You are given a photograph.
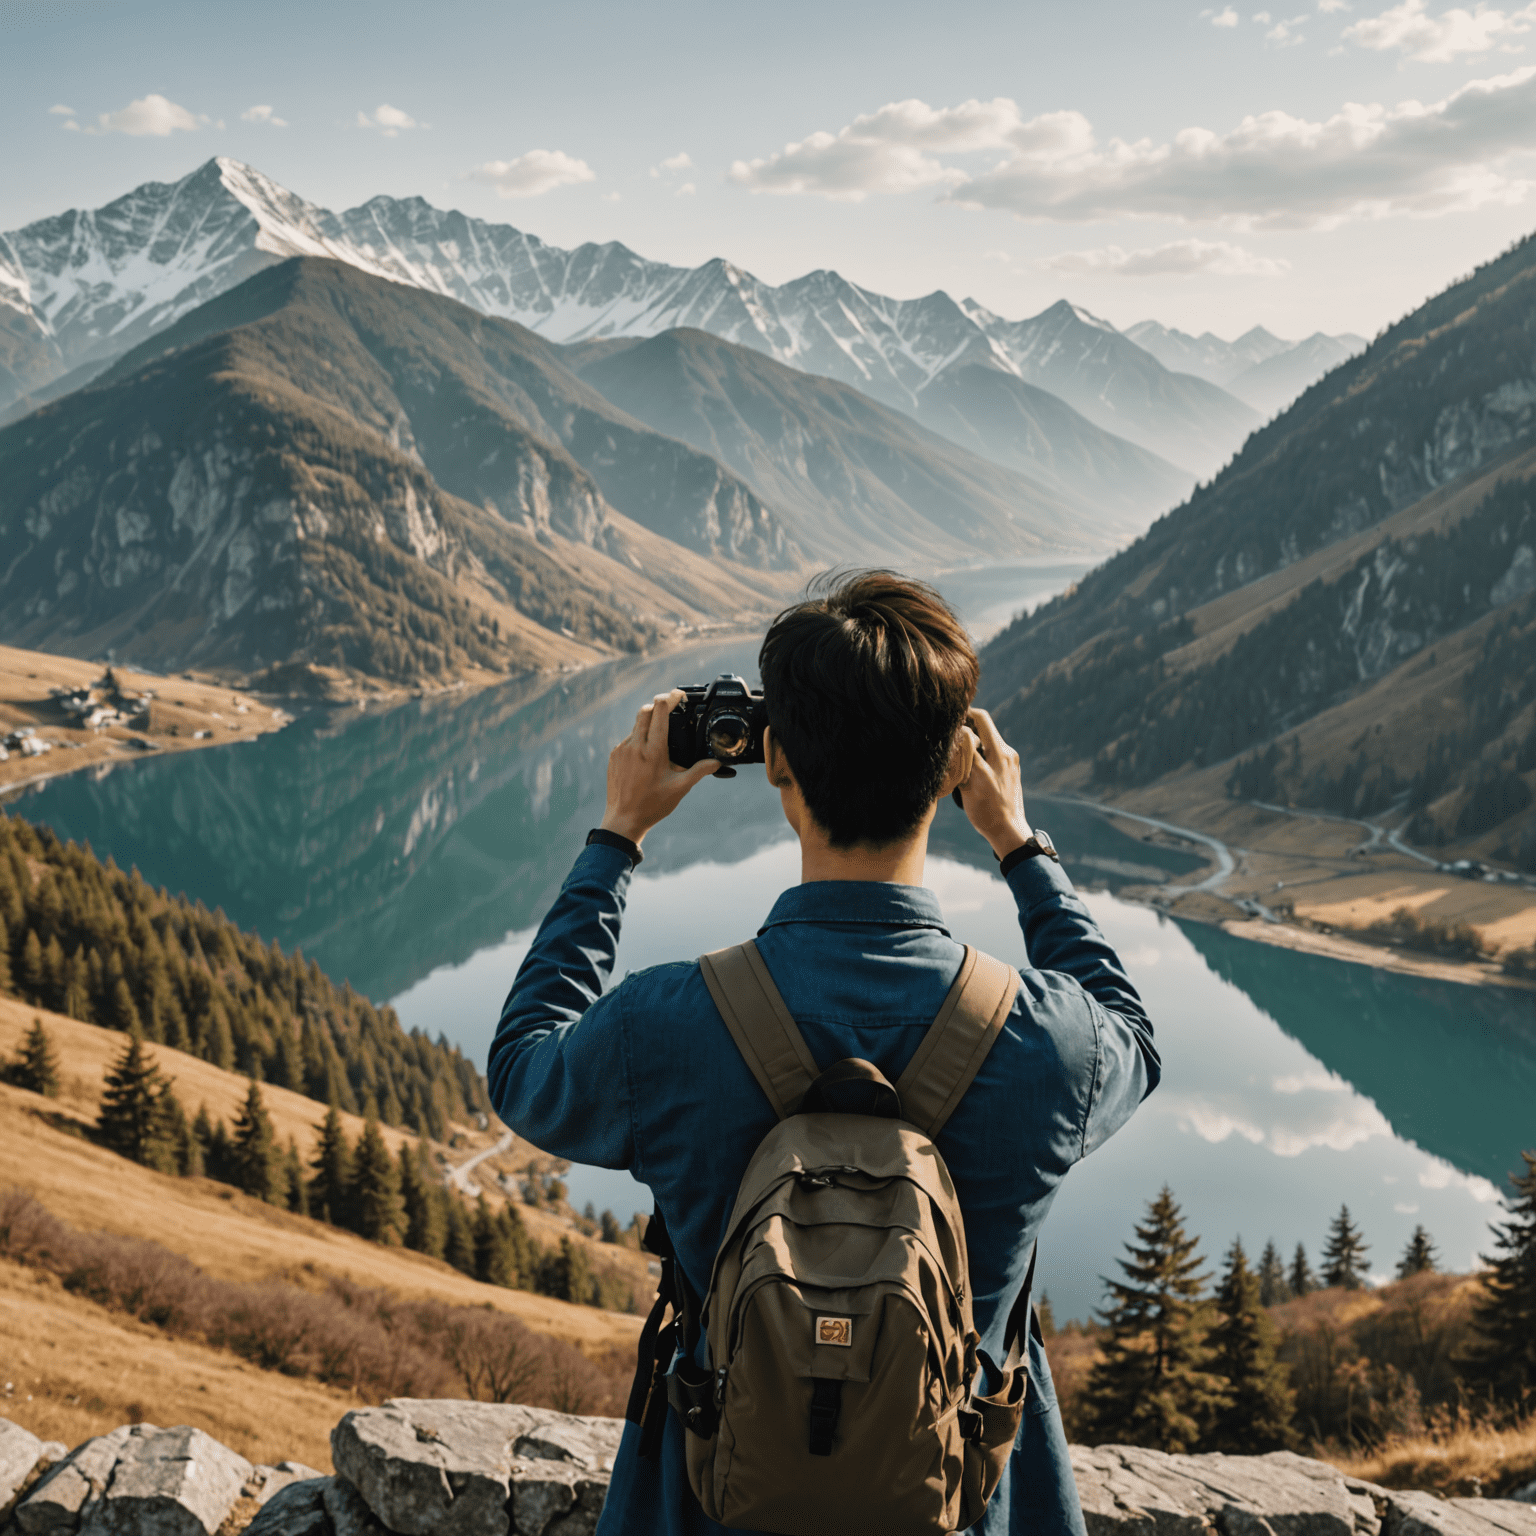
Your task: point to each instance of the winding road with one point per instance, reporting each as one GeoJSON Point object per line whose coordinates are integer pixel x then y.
{"type": "Point", "coordinates": [459, 1177]}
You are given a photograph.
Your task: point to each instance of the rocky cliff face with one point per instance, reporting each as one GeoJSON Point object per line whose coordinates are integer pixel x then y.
{"type": "Point", "coordinates": [420, 1467]}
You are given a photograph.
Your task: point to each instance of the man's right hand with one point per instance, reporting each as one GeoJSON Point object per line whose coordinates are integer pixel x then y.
{"type": "Point", "coordinates": [993, 797]}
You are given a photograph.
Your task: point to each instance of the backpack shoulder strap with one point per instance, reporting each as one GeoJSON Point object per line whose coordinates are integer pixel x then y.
{"type": "Point", "coordinates": [957, 1041]}
{"type": "Point", "coordinates": [765, 1034]}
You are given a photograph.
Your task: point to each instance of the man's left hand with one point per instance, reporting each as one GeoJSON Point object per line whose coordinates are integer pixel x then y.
{"type": "Point", "coordinates": [644, 785]}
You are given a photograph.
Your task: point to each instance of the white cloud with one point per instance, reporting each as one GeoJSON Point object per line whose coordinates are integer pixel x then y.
{"type": "Point", "coordinates": [149, 117]}
{"type": "Point", "coordinates": [1436, 39]}
{"type": "Point", "coordinates": [262, 115]}
{"type": "Point", "coordinates": [678, 162]}
{"type": "Point", "coordinates": [1283, 33]}
{"type": "Point", "coordinates": [60, 110]}
{"type": "Point", "coordinates": [1272, 171]}
{"type": "Point", "coordinates": [1226, 18]}
{"type": "Point", "coordinates": [1328, 7]}
{"type": "Point", "coordinates": [1262, 18]}
{"type": "Point", "coordinates": [1406, 1208]}
{"type": "Point", "coordinates": [530, 175]}
{"type": "Point", "coordinates": [1179, 258]}
{"type": "Point", "coordinates": [686, 190]}
{"type": "Point", "coordinates": [1316, 1079]}
{"type": "Point", "coordinates": [896, 149]}
{"type": "Point", "coordinates": [390, 121]}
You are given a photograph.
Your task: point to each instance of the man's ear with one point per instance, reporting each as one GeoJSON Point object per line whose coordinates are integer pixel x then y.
{"type": "Point", "coordinates": [775, 762]}
{"type": "Point", "coordinates": [962, 757]}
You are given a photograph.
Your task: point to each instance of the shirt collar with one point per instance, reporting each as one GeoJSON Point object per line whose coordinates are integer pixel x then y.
{"type": "Point", "coordinates": [858, 901]}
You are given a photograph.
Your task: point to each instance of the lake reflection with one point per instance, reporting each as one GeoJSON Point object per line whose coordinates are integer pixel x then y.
{"type": "Point", "coordinates": [415, 850]}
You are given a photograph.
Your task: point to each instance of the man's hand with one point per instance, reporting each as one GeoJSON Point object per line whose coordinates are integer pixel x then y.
{"type": "Point", "coordinates": [993, 796]}
{"type": "Point", "coordinates": [644, 787]}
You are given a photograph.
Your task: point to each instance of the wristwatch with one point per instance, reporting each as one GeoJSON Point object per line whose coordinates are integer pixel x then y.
{"type": "Point", "coordinates": [1038, 846]}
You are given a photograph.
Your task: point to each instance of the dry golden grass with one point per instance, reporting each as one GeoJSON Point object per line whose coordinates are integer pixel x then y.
{"type": "Point", "coordinates": [1456, 1462]}
{"type": "Point", "coordinates": [72, 1369]}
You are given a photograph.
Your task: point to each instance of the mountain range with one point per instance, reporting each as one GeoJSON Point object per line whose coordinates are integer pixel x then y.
{"type": "Point", "coordinates": [1258, 368]}
{"type": "Point", "coordinates": [80, 288]}
{"type": "Point", "coordinates": [327, 467]}
{"type": "Point", "coordinates": [1345, 617]}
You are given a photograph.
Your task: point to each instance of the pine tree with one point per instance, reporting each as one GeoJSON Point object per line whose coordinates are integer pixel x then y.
{"type": "Point", "coordinates": [1418, 1257]}
{"type": "Point", "coordinates": [129, 1119]}
{"type": "Point", "coordinates": [1274, 1288]}
{"type": "Point", "coordinates": [460, 1249]}
{"type": "Point", "coordinates": [1344, 1253]}
{"type": "Point", "coordinates": [374, 1194]}
{"type": "Point", "coordinates": [332, 1164]}
{"type": "Point", "coordinates": [493, 1263]}
{"type": "Point", "coordinates": [295, 1186]}
{"type": "Point", "coordinates": [1259, 1404]}
{"type": "Point", "coordinates": [37, 1064]}
{"type": "Point", "coordinates": [257, 1163]}
{"type": "Point", "coordinates": [5, 941]}
{"type": "Point", "coordinates": [610, 1225]}
{"type": "Point", "coordinates": [1302, 1281]}
{"type": "Point", "coordinates": [1150, 1386]}
{"type": "Point", "coordinates": [566, 1273]}
{"type": "Point", "coordinates": [1504, 1357]}
{"type": "Point", "coordinates": [30, 971]}
{"type": "Point", "coordinates": [426, 1217]}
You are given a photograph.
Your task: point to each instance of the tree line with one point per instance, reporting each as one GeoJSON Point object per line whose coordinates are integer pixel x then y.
{"type": "Point", "coordinates": [1180, 1370]}
{"type": "Point", "coordinates": [80, 937]}
{"type": "Point", "coordinates": [360, 1185]}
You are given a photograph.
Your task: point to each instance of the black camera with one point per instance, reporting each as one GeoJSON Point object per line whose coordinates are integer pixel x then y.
{"type": "Point", "coordinates": [723, 720]}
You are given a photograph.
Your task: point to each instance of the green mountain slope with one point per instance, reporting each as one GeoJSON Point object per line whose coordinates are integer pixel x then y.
{"type": "Point", "coordinates": [323, 466]}
{"type": "Point", "coordinates": [855, 479]}
{"type": "Point", "coordinates": [1380, 531]}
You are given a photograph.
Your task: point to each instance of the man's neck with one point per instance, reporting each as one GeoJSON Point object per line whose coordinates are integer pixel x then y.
{"type": "Point", "coordinates": [898, 863]}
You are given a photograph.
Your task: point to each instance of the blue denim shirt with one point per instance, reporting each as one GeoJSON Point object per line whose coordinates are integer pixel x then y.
{"type": "Point", "coordinates": [646, 1077]}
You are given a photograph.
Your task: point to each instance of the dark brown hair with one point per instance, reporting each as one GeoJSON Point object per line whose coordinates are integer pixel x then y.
{"type": "Point", "coordinates": [866, 685]}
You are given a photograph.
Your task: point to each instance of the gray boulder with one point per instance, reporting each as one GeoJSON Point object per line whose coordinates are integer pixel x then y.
{"type": "Point", "coordinates": [172, 1482]}
{"type": "Point", "coordinates": [1525, 1495]}
{"type": "Point", "coordinates": [429, 1467]}
{"type": "Point", "coordinates": [57, 1505]}
{"type": "Point", "coordinates": [1126, 1490]}
{"type": "Point", "coordinates": [295, 1510]}
{"type": "Point", "coordinates": [20, 1452]}
{"type": "Point", "coordinates": [348, 1514]}
{"type": "Point", "coordinates": [1426, 1514]}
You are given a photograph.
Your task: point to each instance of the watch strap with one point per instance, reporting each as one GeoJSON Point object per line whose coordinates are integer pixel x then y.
{"type": "Point", "coordinates": [606, 839]}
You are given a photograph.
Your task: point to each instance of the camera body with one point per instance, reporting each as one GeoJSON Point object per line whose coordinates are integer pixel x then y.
{"type": "Point", "coordinates": [723, 720]}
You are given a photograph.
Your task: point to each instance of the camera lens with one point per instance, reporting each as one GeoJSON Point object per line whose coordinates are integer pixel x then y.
{"type": "Point", "coordinates": [727, 735]}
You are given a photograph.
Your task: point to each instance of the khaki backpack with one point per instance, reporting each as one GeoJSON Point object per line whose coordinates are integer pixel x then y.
{"type": "Point", "coordinates": [841, 1394]}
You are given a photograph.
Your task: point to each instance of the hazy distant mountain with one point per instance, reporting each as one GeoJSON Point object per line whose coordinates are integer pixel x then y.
{"type": "Point", "coordinates": [325, 467]}
{"type": "Point", "coordinates": [851, 477]}
{"type": "Point", "coordinates": [1121, 387]}
{"type": "Point", "coordinates": [1349, 609]}
{"type": "Point", "coordinates": [96, 282]}
{"type": "Point", "coordinates": [1029, 429]}
{"type": "Point", "coordinates": [1259, 368]}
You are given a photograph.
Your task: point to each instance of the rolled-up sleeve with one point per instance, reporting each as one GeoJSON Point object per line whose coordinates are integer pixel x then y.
{"type": "Point", "coordinates": [1089, 985]}
{"type": "Point", "coordinates": [557, 1068]}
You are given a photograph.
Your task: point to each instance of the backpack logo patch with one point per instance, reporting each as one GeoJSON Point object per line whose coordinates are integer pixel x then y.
{"type": "Point", "coordinates": [835, 1330]}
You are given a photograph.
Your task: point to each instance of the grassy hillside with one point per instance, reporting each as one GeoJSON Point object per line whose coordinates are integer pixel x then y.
{"type": "Point", "coordinates": [86, 1356]}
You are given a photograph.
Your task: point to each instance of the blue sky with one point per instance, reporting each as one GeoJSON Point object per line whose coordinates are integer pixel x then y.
{"type": "Point", "coordinates": [1321, 166]}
